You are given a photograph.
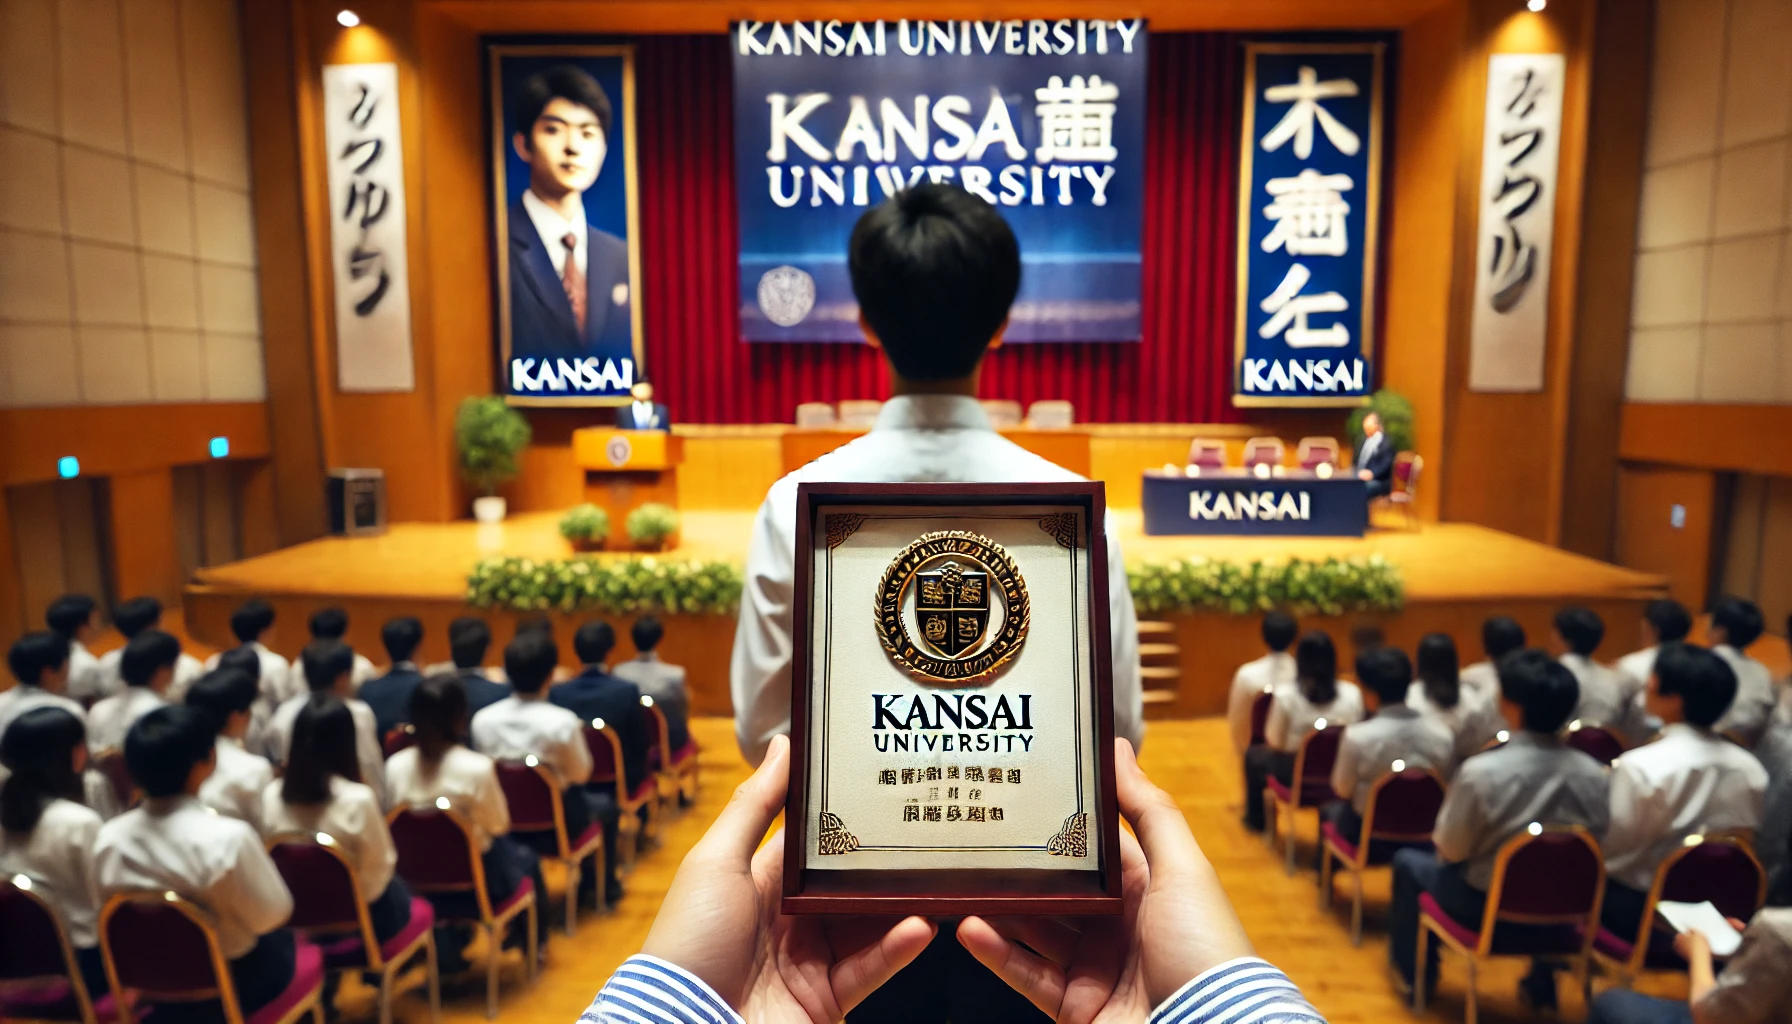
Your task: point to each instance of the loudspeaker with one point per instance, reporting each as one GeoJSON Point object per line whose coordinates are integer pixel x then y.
{"type": "Point", "coordinates": [357, 499]}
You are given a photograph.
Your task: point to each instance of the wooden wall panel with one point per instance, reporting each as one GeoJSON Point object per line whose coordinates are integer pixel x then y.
{"type": "Point", "coordinates": [12, 595]}
{"type": "Point", "coordinates": [36, 537]}
{"type": "Point", "coordinates": [145, 559]}
{"type": "Point", "coordinates": [125, 438]}
{"type": "Point", "coordinates": [1646, 537]}
{"type": "Point", "coordinates": [1744, 438]}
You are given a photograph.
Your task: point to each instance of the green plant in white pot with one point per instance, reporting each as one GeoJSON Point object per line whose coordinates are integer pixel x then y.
{"type": "Point", "coordinates": [651, 526]}
{"type": "Point", "coordinates": [488, 437]}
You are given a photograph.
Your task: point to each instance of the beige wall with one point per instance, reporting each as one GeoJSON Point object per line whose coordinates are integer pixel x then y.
{"type": "Point", "coordinates": [127, 255]}
{"type": "Point", "coordinates": [1711, 313]}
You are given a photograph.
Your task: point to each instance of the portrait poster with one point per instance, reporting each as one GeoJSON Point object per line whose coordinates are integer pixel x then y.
{"type": "Point", "coordinates": [566, 231]}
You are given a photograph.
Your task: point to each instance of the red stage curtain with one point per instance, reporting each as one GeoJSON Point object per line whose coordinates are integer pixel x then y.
{"type": "Point", "coordinates": [1179, 372]}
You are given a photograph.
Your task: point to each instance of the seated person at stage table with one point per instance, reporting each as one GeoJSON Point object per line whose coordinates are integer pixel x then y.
{"type": "Point", "coordinates": [1374, 460]}
{"type": "Point", "coordinates": [1396, 733]}
{"type": "Point", "coordinates": [1688, 782]}
{"type": "Point", "coordinates": [1735, 624]}
{"type": "Point", "coordinates": [75, 618]}
{"type": "Point", "coordinates": [332, 624]}
{"type": "Point", "coordinates": [657, 679]}
{"type": "Point", "coordinates": [39, 663]}
{"type": "Point", "coordinates": [250, 623]}
{"type": "Point", "coordinates": [1260, 676]}
{"type": "Point", "coordinates": [132, 618]}
{"type": "Point", "coordinates": [235, 785]}
{"type": "Point", "coordinates": [1535, 777]}
{"type": "Point", "coordinates": [322, 792]}
{"type": "Point", "coordinates": [147, 666]}
{"type": "Point", "coordinates": [1500, 636]}
{"type": "Point", "coordinates": [596, 694]}
{"type": "Point", "coordinates": [1608, 698]}
{"type": "Point", "coordinates": [328, 666]}
{"type": "Point", "coordinates": [174, 843]}
{"type": "Point", "coordinates": [1473, 720]}
{"type": "Point", "coordinates": [47, 832]}
{"type": "Point", "coordinates": [642, 412]}
{"type": "Point", "coordinates": [469, 639]}
{"type": "Point", "coordinates": [1316, 695]}
{"type": "Point", "coordinates": [390, 695]}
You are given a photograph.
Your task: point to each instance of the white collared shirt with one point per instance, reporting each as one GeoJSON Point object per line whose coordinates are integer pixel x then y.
{"type": "Point", "coordinates": [177, 844]}
{"type": "Point", "coordinates": [513, 728]}
{"type": "Point", "coordinates": [57, 856]}
{"type": "Point", "coordinates": [917, 438]}
{"type": "Point", "coordinates": [1639, 665]}
{"type": "Point", "coordinates": [1608, 698]}
{"type": "Point", "coordinates": [1482, 680]}
{"type": "Point", "coordinates": [553, 228]}
{"type": "Point", "coordinates": [1371, 445]}
{"type": "Point", "coordinates": [187, 670]}
{"type": "Point", "coordinates": [1497, 794]}
{"type": "Point", "coordinates": [660, 680]}
{"type": "Point", "coordinates": [83, 673]}
{"type": "Point", "coordinates": [1369, 749]}
{"type": "Point", "coordinates": [466, 778]}
{"type": "Point", "coordinates": [277, 682]}
{"type": "Point", "coordinates": [24, 697]}
{"type": "Point", "coordinates": [1292, 715]}
{"type": "Point", "coordinates": [351, 816]}
{"type": "Point", "coordinates": [236, 782]}
{"type": "Point", "coordinates": [1472, 722]}
{"type": "Point", "coordinates": [1755, 699]}
{"type": "Point", "coordinates": [1689, 781]}
{"type": "Point", "coordinates": [643, 412]}
{"type": "Point", "coordinates": [111, 719]}
{"type": "Point", "coordinates": [368, 752]}
{"type": "Point", "coordinates": [1255, 677]}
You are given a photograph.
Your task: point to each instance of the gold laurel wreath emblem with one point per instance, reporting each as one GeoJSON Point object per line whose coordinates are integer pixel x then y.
{"type": "Point", "coordinates": [921, 657]}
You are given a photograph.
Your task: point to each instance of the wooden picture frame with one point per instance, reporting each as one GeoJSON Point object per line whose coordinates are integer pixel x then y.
{"type": "Point", "coordinates": [958, 890]}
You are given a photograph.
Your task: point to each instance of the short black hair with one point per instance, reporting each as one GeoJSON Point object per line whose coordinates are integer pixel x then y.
{"type": "Point", "coordinates": [1668, 618]}
{"type": "Point", "coordinates": [1500, 636]}
{"type": "Point", "coordinates": [326, 661]}
{"type": "Point", "coordinates": [1582, 628]}
{"type": "Point", "coordinates": [148, 652]}
{"type": "Point", "coordinates": [251, 619]}
{"type": "Point", "coordinates": [1279, 630]}
{"type": "Point", "coordinates": [1704, 682]}
{"type": "Point", "coordinates": [438, 710]}
{"type": "Point", "coordinates": [533, 624]}
{"type": "Point", "coordinates": [1387, 672]}
{"type": "Point", "coordinates": [164, 745]}
{"type": "Point", "coordinates": [593, 641]}
{"type": "Point", "coordinates": [562, 81]}
{"type": "Point", "coordinates": [242, 659]}
{"type": "Point", "coordinates": [36, 653]}
{"type": "Point", "coordinates": [328, 623]}
{"type": "Point", "coordinates": [401, 637]}
{"type": "Point", "coordinates": [935, 270]}
{"type": "Point", "coordinates": [468, 640]}
{"type": "Point", "coordinates": [647, 632]}
{"type": "Point", "coordinates": [1540, 685]}
{"type": "Point", "coordinates": [1740, 619]}
{"type": "Point", "coordinates": [221, 693]}
{"type": "Point", "coordinates": [136, 615]}
{"type": "Point", "coordinates": [68, 613]}
{"type": "Point", "coordinates": [529, 660]}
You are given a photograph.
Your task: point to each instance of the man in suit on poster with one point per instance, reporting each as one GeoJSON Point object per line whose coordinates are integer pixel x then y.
{"type": "Point", "coordinates": [1375, 458]}
{"type": "Point", "coordinates": [569, 281]}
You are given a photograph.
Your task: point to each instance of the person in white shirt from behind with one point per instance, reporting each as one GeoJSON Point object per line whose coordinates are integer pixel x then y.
{"type": "Point", "coordinates": [658, 679]}
{"type": "Point", "coordinates": [1688, 782]}
{"type": "Point", "coordinates": [74, 618]}
{"type": "Point", "coordinates": [1500, 636]}
{"type": "Point", "coordinates": [251, 623]}
{"type": "Point", "coordinates": [148, 669]}
{"type": "Point", "coordinates": [1260, 676]}
{"type": "Point", "coordinates": [174, 843]}
{"type": "Point", "coordinates": [1438, 695]}
{"type": "Point", "coordinates": [332, 624]}
{"type": "Point", "coordinates": [1735, 624]}
{"type": "Point", "coordinates": [1395, 738]}
{"type": "Point", "coordinates": [132, 618]}
{"type": "Point", "coordinates": [234, 788]}
{"type": "Point", "coordinates": [321, 794]}
{"type": "Point", "coordinates": [1317, 699]}
{"type": "Point", "coordinates": [1665, 621]}
{"type": "Point", "coordinates": [935, 270]}
{"type": "Point", "coordinates": [40, 665]}
{"type": "Point", "coordinates": [328, 666]}
{"type": "Point", "coordinates": [1608, 698]}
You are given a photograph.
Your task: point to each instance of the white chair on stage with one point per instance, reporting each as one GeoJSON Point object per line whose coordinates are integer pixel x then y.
{"type": "Point", "coordinates": [859, 412]}
{"type": "Point", "coordinates": [1004, 414]}
{"type": "Point", "coordinates": [1050, 414]}
{"type": "Point", "coordinates": [815, 414]}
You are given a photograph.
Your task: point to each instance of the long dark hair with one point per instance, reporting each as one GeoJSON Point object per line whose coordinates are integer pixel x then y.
{"type": "Point", "coordinates": [39, 750]}
{"type": "Point", "coordinates": [1316, 667]}
{"type": "Point", "coordinates": [439, 714]}
{"type": "Point", "coordinates": [1438, 671]}
{"type": "Point", "coordinates": [323, 744]}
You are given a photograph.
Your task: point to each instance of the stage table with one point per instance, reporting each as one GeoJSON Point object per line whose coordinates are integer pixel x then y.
{"type": "Point", "coordinates": [1233, 502]}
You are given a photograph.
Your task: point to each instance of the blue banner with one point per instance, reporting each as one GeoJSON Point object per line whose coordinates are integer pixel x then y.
{"type": "Point", "coordinates": [1043, 119]}
{"type": "Point", "coordinates": [1309, 196]}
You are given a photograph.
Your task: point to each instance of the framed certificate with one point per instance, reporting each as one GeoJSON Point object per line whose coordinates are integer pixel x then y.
{"type": "Point", "coordinates": [952, 719]}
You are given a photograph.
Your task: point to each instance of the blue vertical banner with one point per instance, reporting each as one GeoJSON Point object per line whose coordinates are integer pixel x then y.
{"type": "Point", "coordinates": [1308, 221]}
{"type": "Point", "coordinates": [1045, 120]}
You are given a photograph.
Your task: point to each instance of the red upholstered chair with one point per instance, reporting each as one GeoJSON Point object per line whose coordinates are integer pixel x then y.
{"type": "Point", "coordinates": [1596, 741]}
{"type": "Point", "coordinates": [1401, 812]}
{"type": "Point", "coordinates": [677, 771]}
{"type": "Point", "coordinates": [329, 907]}
{"type": "Point", "coordinates": [1312, 783]}
{"type": "Point", "coordinates": [438, 854]}
{"type": "Point", "coordinates": [1314, 452]}
{"type": "Point", "coordinates": [1268, 451]}
{"type": "Point", "coordinates": [535, 807]}
{"type": "Point", "coordinates": [166, 949]}
{"type": "Point", "coordinates": [40, 979]}
{"type": "Point", "coordinates": [640, 809]}
{"type": "Point", "coordinates": [1548, 877]}
{"type": "Point", "coordinates": [1207, 453]}
{"type": "Point", "coordinates": [1260, 714]}
{"type": "Point", "coordinates": [1720, 867]}
{"type": "Point", "coordinates": [398, 738]}
{"type": "Point", "coordinates": [1407, 467]}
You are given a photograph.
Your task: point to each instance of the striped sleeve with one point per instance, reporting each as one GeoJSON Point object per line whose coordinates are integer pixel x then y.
{"type": "Point", "coordinates": [1236, 992]}
{"type": "Point", "coordinates": [648, 990]}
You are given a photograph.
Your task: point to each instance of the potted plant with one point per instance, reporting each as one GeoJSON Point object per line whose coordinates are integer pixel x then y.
{"type": "Point", "coordinates": [1396, 419]}
{"type": "Point", "coordinates": [488, 435]}
{"type": "Point", "coordinates": [586, 526]}
{"type": "Point", "coordinates": [651, 526]}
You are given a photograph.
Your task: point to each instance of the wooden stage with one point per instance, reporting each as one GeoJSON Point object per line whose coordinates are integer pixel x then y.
{"type": "Point", "coordinates": [1456, 575]}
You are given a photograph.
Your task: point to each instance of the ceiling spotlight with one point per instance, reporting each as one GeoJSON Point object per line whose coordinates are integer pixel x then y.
{"type": "Point", "coordinates": [1535, 5]}
{"type": "Point", "coordinates": [349, 19]}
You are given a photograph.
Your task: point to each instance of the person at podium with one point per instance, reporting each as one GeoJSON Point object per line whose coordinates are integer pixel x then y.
{"type": "Point", "coordinates": [642, 412]}
{"type": "Point", "coordinates": [1374, 460]}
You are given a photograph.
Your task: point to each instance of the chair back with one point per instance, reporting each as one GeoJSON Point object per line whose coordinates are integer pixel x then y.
{"type": "Point", "coordinates": [110, 764]}
{"type": "Point", "coordinates": [33, 943]}
{"type": "Point", "coordinates": [859, 412]}
{"type": "Point", "coordinates": [1546, 874]}
{"type": "Point", "coordinates": [533, 800]}
{"type": "Point", "coordinates": [1314, 452]}
{"type": "Point", "coordinates": [815, 414]}
{"type": "Point", "coordinates": [605, 745]}
{"type": "Point", "coordinates": [1263, 451]}
{"type": "Point", "coordinates": [1407, 467]}
{"type": "Point", "coordinates": [166, 948]}
{"type": "Point", "coordinates": [1003, 413]}
{"type": "Point", "coordinates": [1207, 453]}
{"type": "Point", "coordinates": [1260, 714]}
{"type": "Point", "coordinates": [1313, 765]}
{"type": "Point", "coordinates": [326, 896]}
{"type": "Point", "coordinates": [1721, 868]}
{"type": "Point", "coordinates": [659, 753]}
{"type": "Point", "coordinates": [399, 738]}
{"type": "Point", "coordinates": [1403, 805]}
{"type": "Point", "coordinates": [1051, 414]}
{"type": "Point", "coordinates": [1596, 741]}
{"type": "Point", "coordinates": [437, 853]}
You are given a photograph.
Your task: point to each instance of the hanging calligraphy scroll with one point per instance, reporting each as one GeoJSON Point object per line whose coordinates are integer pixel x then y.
{"type": "Point", "coordinates": [364, 151]}
{"type": "Point", "coordinates": [1515, 223]}
{"type": "Point", "coordinates": [1309, 190]}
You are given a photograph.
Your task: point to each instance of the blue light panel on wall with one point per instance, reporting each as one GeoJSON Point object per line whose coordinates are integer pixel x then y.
{"type": "Point", "coordinates": [68, 467]}
{"type": "Point", "coordinates": [220, 447]}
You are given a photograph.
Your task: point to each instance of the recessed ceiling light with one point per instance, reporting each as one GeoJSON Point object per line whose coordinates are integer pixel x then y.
{"type": "Point", "coordinates": [349, 19]}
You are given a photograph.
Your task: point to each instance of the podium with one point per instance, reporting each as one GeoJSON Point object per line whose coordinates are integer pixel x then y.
{"type": "Point", "coordinates": [625, 469]}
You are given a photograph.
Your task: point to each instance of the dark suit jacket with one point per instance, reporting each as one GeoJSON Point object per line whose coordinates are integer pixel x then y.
{"type": "Point", "coordinates": [1380, 464]}
{"type": "Point", "coordinates": [626, 419]}
{"type": "Point", "coordinates": [390, 698]}
{"type": "Point", "coordinates": [541, 320]}
{"type": "Point", "coordinates": [481, 692]}
{"type": "Point", "coordinates": [596, 694]}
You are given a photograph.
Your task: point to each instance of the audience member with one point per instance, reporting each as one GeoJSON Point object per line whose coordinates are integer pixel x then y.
{"type": "Point", "coordinates": [250, 623]}
{"type": "Point", "coordinates": [234, 788]}
{"type": "Point", "coordinates": [1775, 833]}
{"type": "Point", "coordinates": [1608, 698]}
{"type": "Point", "coordinates": [132, 618]}
{"type": "Point", "coordinates": [329, 668]}
{"type": "Point", "coordinates": [468, 640]}
{"type": "Point", "coordinates": [256, 738]}
{"type": "Point", "coordinates": [595, 694]}
{"type": "Point", "coordinates": [148, 669]}
{"type": "Point", "coordinates": [390, 695]}
{"type": "Point", "coordinates": [1535, 777]}
{"type": "Point", "coordinates": [39, 665]}
{"type": "Point", "coordinates": [1317, 699]}
{"type": "Point", "coordinates": [657, 679]}
{"type": "Point", "coordinates": [1255, 678]}
{"type": "Point", "coordinates": [1500, 636]}
{"type": "Point", "coordinates": [174, 843]}
{"type": "Point", "coordinates": [1395, 735]}
{"type": "Point", "coordinates": [332, 624]}
{"type": "Point", "coordinates": [322, 792]}
{"type": "Point", "coordinates": [1438, 694]}
{"type": "Point", "coordinates": [1735, 624]}
{"type": "Point", "coordinates": [1689, 781]}
{"type": "Point", "coordinates": [1665, 621]}
{"type": "Point", "coordinates": [75, 618]}
{"type": "Point", "coordinates": [47, 833]}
